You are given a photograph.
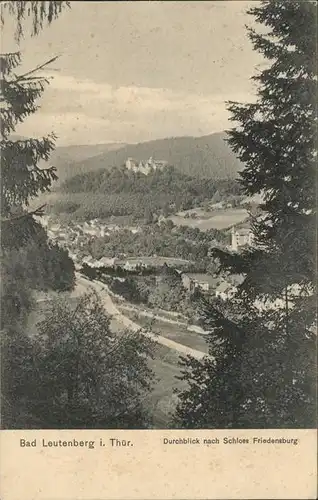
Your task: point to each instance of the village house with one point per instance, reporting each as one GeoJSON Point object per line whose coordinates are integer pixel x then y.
{"type": "Point", "coordinates": [89, 260]}
{"type": "Point", "coordinates": [240, 237]}
{"type": "Point", "coordinates": [134, 230]}
{"type": "Point", "coordinates": [55, 228]}
{"type": "Point", "coordinates": [132, 265]}
{"type": "Point", "coordinates": [225, 290]}
{"type": "Point", "coordinates": [148, 262]}
{"type": "Point", "coordinates": [217, 206]}
{"type": "Point", "coordinates": [112, 227]}
{"type": "Point", "coordinates": [228, 287]}
{"type": "Point", "coordinates": [44, 220]}
{"type": "Point", "coordinates": [255, 199]}
{"type": "Point", "coordinates": [89, 229]}
{"type": "Point", "coordinates": [193, 281]}
{"type": "Point", "coordinates": [94, 222]}
{"type": "Point", "coordinates": [106, 262]}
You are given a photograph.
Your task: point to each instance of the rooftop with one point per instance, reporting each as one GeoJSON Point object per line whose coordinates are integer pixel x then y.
{"type": "Point", "coordinates": [224, 286]}
{"type": "Point", "coordinates": [204, 278]}
{"type": "Point", "coordinates": [236, 279]}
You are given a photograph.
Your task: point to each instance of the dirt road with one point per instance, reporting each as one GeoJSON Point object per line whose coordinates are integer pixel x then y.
{"type": "Point", "coordinates": [112, 310]}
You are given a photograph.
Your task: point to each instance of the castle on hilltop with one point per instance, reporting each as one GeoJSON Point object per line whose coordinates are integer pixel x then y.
{"type": "Point", "coordinates": [145, 167]}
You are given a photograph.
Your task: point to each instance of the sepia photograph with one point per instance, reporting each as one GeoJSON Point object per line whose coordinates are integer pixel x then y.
{"type": "Point", "coordinates": [158, 217]}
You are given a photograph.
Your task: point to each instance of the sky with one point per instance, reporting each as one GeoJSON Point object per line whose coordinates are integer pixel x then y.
{"type": "Point", "coordinates": [137, 71]}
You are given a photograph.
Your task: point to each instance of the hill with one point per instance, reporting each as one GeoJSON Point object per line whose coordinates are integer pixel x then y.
{"type": "Point", "coordinates": [205, 157]}
{"type": "Point", "coordinates": [121, 192]}
{"type": "Point", "coordinates": [68, 159]}
{"type": "Point", "coordinates": [64, 158]}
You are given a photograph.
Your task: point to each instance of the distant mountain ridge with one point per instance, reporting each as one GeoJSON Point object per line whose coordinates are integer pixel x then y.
{"type": "Point", "coordinates": [63, 157]}
{"type": "Point", "coordinates": [205, 157]}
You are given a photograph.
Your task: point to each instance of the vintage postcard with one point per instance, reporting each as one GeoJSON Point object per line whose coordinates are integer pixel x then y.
{"type": "Point", "coordinates": [158, 250]}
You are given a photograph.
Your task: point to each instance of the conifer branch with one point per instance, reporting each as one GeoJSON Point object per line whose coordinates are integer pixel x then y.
{"type": "Point", "coordinates": [37, 68]}
{"type": "Point", "coordinates": [37, 212]}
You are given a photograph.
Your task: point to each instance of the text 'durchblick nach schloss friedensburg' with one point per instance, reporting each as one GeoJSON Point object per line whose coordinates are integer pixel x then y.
{"type": "Point", "coordinates": [115, 442]}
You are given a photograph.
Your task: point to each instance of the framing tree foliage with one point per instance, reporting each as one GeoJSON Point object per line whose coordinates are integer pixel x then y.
{"type": "Point", "coordinates": [28, 260]}
{"type": "Point", "coordinates": [77, 373]}
{"type": "Point", "coordinates": [69, 370]}
{"type": "Point", "coordinates": [21, 176]}
{"type": "Point", "coordinates": [38, 12]}
{"type": "Point", "coordinates": [22, 238]}
{"type": "Point", "coordinates": [261, 373]}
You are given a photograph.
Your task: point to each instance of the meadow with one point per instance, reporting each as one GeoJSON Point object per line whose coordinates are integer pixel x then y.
{"type": "Point", "coordinates": [218, 219]}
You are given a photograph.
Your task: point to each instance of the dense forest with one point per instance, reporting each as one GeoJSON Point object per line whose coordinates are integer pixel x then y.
{"type": "Point", "coordinates": [121, 192]}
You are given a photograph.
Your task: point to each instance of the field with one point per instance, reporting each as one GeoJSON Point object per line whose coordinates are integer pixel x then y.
{"type": "Point", "coordinates": [162, 401]}
{"type": "Point", "coordinates": [178, 333]}
{"type": "Point", "coordinates": [218, 219]}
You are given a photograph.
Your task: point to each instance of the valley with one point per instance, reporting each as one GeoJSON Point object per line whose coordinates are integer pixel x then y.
{"type": "Point", "coordinates": [142, 237]}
